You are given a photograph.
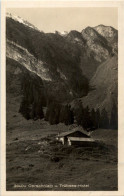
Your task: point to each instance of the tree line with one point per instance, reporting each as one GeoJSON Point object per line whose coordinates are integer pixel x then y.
{"type": "Point", "coordinates": [59, 113]}
{"type": "Point", "coordinates": [34, 99]}
{"type": "Point", "coordinates": [93, 119]}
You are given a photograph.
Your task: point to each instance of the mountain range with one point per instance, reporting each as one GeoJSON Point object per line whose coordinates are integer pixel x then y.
{"type": "Point", "coordinates": [68, 68]}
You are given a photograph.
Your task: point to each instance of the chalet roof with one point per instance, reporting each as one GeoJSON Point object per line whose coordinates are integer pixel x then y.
{"type": "Point", "coordinates": [72, 131]}
{"type": "Point", "coordinates": [80, 139]}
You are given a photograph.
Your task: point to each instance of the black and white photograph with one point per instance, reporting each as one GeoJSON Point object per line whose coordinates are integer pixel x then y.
{"type": "Point", "coordinates": [61, 98]}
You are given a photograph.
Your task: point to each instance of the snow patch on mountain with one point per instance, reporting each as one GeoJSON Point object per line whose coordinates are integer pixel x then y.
{"type": "Point", "coordinates": [62, 33]}
{"type": "Point", "coordinates": [21, 20]}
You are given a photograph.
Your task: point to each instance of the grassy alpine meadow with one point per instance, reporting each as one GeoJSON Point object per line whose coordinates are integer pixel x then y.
{"type": "Point", "coordinates": [36, 161]}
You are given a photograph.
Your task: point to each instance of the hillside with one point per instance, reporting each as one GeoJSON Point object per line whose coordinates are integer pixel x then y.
{"type": "Point", "coordinates": [69, 68]}
{"type": "Point", "coordinates": [104, 86]}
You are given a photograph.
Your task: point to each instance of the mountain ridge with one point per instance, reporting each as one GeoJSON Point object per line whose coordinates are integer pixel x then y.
{"type": "Point", "coordinates": [70, 66]}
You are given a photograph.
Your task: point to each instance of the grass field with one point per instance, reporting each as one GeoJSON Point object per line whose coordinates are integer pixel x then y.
{"type": "Point", "coordinates": [35, 161]}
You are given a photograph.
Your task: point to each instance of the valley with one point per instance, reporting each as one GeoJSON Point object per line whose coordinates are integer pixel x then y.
{"type": "Point", "coordinates": [56, 82]}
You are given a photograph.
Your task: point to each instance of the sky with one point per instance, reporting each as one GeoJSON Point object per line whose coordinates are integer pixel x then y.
{"type": "Point", "coordinates": [66, 19]}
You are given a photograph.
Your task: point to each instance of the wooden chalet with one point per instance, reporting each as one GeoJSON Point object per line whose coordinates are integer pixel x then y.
{"type": "Point", "coordinates": [75, 137]}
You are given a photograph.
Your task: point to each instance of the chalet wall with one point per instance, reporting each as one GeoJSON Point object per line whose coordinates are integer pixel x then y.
{"type": "Point", "coordinates": [83, 143]}
{"type": "Point", "coordinates": [77, 134]}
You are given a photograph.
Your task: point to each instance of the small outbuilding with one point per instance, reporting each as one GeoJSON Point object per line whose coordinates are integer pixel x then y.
{"type": "Point", "coordinates": [75, 137]}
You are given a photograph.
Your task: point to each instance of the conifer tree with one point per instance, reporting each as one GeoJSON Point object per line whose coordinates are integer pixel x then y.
{"type": "Point", "coordinates": [104, 120]}
{"type": "Point", "coordinates": [94, 118]}
{"type": "Point", "coordinates": [66, 115]}
{"type": "Point", "coordinates": [87, 123]}
{"type": "Point", "coordinates": [98, 118]}
{"type": "Point", "coordinates": [25, 108]}
{"type": "Point", "coordinates": [114, 118]}
{"type": "Point", "coordinates": [79, 112]}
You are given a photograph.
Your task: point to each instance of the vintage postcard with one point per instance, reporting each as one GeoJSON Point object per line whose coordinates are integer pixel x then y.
{"type": "Point", "coordinates": [62, 98]}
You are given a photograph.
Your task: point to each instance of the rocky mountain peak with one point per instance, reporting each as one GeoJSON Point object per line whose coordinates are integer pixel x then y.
{"type": "Point", "coordinates": [21, 20]}
{"type": "Point", "coordinates": [75, 36]}
{"type": "Point", "coordinates": [64, 63]}
{"type": "Point", "coordinates": [107, 32]}
{"type": "Point", "coordinates": [89, 33]}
